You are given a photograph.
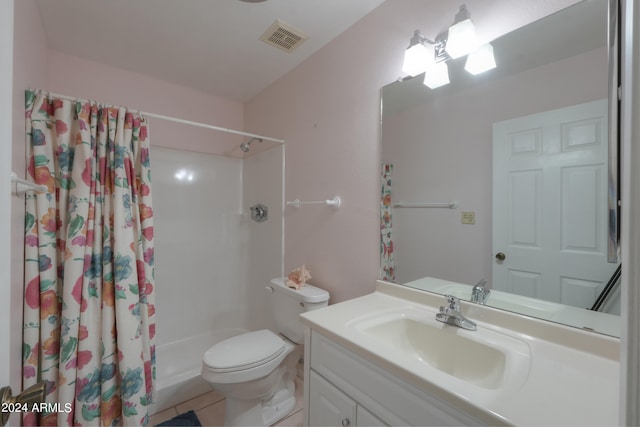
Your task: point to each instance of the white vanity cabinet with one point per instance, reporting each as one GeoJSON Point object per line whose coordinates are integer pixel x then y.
{"type": "Point", "coordinates": [344, 389]}
{"type": "Point", "coordinates": [331, 407]}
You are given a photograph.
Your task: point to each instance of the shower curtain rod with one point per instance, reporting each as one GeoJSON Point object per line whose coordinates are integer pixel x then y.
{"type": "Point", "coordinates": [186, 122]}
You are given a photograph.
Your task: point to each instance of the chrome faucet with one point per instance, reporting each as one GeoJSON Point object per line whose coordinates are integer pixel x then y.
{"type": "Point", "coordinates": [480, 293]}
{"type": "Point", "coordinates": [451, 314]}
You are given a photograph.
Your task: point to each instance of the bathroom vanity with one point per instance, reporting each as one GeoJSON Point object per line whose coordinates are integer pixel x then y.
{"type": "Point", "coordinates": [383, 359]}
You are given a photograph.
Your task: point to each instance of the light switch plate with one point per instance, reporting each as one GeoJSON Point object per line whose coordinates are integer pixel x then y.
{"type": "Point", "coordinates": [468, 217]}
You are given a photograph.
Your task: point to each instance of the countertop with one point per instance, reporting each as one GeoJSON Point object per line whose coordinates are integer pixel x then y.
{"type": "Point", "coordinates": [572, 378]}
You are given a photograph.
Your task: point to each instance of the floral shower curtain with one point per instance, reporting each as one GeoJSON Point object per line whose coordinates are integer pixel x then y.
{"type": "Point", "coordinates": [387, 260]}
{"type": "Point", "coordinates": [89, 310]}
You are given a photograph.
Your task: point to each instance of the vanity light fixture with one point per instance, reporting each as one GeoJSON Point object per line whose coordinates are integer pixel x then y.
{"type": "Point", "coordinates": [430, 57]}
{"type": "Point", "coordinates": [461, 39]}
{"type": "Point", "coordinates": [481, 60]}
{"type": "Point", "coordinates": [437, 75]}
{"type": "Point", "coordinates": [417, 55]}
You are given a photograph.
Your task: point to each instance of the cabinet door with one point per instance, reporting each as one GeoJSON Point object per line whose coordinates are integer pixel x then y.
{"type": "Point", "coordinates": [328, 406]}
{"type": "Point", "coordinates": [367, 419]}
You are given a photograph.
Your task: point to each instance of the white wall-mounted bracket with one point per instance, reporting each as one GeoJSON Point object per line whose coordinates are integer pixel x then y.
{"type": "Point", "coordinates": [335, 202]}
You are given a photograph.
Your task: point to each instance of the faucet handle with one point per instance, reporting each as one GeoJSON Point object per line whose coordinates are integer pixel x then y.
{"type": "Point", "coordinates": [481, 284]}
{"type": "Point", "coordinates": [453, 302]}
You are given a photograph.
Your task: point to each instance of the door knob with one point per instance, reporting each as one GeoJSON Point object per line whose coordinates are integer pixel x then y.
{"type": "Point", "coordinates": [500, 256]}
{"type": "Point", "coordinates": [22, 402]}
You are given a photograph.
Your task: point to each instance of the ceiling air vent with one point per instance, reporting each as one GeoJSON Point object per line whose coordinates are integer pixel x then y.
{"type": "Point", "coordinates": [283, 36]}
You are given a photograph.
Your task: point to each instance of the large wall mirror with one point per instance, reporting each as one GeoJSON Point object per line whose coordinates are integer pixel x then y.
{"type": "Point", "coordinates": [523, 155]}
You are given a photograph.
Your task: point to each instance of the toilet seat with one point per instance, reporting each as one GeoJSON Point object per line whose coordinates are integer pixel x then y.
{"type": "Point", "coordinates": [256, 371]}
{"type": "Point", "coordinates": [245, 357]}
{"type": "Point", "coordinates": [244, 351]}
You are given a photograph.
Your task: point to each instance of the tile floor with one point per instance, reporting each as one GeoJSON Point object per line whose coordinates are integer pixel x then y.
{"type": "Point", "coordinates": [209, 408]}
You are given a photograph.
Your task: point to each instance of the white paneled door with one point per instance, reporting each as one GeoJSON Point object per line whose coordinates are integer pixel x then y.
{"type": "Point", "coordinates": [550, 204]}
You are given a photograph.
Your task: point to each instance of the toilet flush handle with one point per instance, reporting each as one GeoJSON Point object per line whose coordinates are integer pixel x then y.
{"type": "Point", "coordinates": [270, 289]}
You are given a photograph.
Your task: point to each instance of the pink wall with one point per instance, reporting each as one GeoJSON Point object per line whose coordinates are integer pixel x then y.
{"type": "Point", "coordinates": [327, 110]}
{"type": "Point", "coordinates": [76, 77]}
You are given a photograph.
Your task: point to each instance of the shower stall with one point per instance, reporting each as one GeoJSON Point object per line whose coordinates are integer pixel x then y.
{"type": "Point", "coordinates": [212, 260]}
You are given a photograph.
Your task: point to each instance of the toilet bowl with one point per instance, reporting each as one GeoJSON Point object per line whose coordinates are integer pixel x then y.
{"type": "Point", "coordinates": [255, 371]}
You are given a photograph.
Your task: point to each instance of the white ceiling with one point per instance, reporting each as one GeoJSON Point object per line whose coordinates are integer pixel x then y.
{"type": "Point", "coordinates": [208, 45]}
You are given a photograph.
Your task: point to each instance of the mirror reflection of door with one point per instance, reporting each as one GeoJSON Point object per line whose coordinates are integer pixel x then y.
{"type": "Point", "coordinates": [549, 204]}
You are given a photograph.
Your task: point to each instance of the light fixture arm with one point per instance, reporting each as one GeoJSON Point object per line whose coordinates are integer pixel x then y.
{"type": "Point", "coordinates": [418, 38]}
{"type": "Point", "coordinates": [439, 47]}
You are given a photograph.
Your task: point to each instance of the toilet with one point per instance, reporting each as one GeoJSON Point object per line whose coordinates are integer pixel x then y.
{"type": "Point", "coordinates": [256, 370]}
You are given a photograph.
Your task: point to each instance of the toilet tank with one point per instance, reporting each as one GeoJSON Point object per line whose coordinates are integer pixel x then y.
{"type": "Point", "coordinates": [288, 303]}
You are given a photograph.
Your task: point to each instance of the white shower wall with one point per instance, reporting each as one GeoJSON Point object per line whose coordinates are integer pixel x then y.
{"type": "Point", "coordinates": [212, 262]}
{"type": "Point", "coordinates": [210, 258]}
{"type": "Point", "coordinates": [200, 243]}
{"type": "Point", "coordinates": [263, 177]}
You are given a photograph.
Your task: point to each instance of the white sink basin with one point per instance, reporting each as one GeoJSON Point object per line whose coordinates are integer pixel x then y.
{"type": "Point", "coordinates": [485, 358]}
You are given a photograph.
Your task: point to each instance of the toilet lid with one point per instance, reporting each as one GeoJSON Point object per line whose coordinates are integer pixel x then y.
{"type": "Point", "coordinates": [244, 351]}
